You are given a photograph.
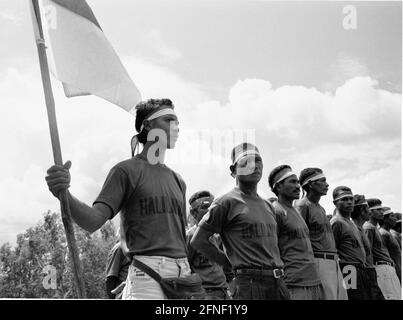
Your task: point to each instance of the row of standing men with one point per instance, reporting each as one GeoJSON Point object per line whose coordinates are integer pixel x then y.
{"type": "Point", "coordinates": [247, 247]}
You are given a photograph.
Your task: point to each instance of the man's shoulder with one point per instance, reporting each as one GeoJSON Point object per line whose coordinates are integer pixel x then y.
{"type": "Point", "coordinates": [278, 209]}
{"type": "Point", "coordinates": [304, 202]}
{"type": "Point", "coordinates": [129, 164]}
{"type": "Point", "coordinates": [230, 197]}
{"type": "Point", "coordinates": [368, 226]}
{"type": "Point", "coordinates": [336, 219]}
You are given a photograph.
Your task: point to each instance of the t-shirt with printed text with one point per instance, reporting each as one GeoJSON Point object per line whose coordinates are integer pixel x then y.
{"type": "Point", "coordinates": [379, 251]}
{"type": "Point", "coordinates": [152, 205]}
{"type": "Point", "coordinates": [295, 248]}
{"type": "Point", "coordinates": [247, 227]}
{"type": "Point", "coordinates": [320, 231]}
{"type": "Point", "coordinates": [348, 241]}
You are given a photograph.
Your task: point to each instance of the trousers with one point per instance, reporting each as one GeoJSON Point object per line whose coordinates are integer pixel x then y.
{"type": "Point", "coordinates": [140, 286]}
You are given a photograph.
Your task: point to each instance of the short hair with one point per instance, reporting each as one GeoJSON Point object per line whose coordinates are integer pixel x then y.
{"type": "Point", "coordinates": [273, 173]}
{"type": "Point", "coordinates": [143, 109]}
{"type": "Point", "coordinates": [340, 189]}
{"type": "Point", "coordinates": [200, 194]}
{"type": "Point", "coordinates": [305, 174]}
{"type": "Point", "coordinates": [372, 202]}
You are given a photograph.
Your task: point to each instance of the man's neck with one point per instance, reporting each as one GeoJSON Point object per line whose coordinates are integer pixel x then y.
{"type": "Point", "coordinates": [153, 155]}
{"type": "Point", "coordinates": [314, 197]}
{"type": "Point", "coordinates": [249, 189]}
{"type": "Point", "coordinates": [386, 227]}
{"type": "Point", "coordinates": [345, 215]}
{"type": "Point", "coordinates": [285, 200]}
{"type": "Point", "coordinates": [359, 221]}
{"type": "Point", "coordinates": [373, 221]}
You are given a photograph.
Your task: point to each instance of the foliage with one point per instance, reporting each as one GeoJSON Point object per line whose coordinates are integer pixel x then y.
{"type": "Point", "coordinates": [22, 271]}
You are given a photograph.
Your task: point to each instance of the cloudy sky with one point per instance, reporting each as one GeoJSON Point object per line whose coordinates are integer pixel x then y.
{"type": "Point", "coordinates": [287, 75]}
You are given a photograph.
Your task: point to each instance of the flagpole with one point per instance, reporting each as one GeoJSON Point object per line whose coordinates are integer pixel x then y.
{"type": "Point", "coordinates": [57, 156]}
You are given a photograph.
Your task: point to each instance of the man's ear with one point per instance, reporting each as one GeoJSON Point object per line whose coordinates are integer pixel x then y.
{"type": "Point", "coordinates": [146, 124]}
{"type": "Point", "coordinates": [232, 168]}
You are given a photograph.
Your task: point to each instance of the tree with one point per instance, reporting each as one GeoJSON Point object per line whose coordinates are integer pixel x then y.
{"type": "Point", "coordinates": [42, 249]}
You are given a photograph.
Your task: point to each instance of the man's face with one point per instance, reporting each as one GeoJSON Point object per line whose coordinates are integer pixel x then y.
{"type": "Point", "coordinates": [289, 188]}
{"type": "Point", "coordinates": [169, 126]}
{"type": "Point", "coordinates": [249, 169]}
{"type": "Point", "coordinates": [390, 220]}
{"type": "Point", "coordinates": [365, 212]}
{"type": "Point", "coordinates": [345, 205]}
{"type": "Point", "coordinates": [376, 214]}
{"type": "Point", "coordinates": [201, 210]}
{"type": "Point", "coordinates": [320, 186]}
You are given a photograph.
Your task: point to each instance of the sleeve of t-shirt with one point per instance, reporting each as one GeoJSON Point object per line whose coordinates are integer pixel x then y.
{"type": "Point", "coordinates": [337, 232]}
{"type": "Point", "coordinates": [115, 190]}
{"type": "Point", "coordinates": [215, 219]}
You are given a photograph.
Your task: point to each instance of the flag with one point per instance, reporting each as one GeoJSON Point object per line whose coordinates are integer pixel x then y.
{"type": "Point", "coordinates": [80, 56]}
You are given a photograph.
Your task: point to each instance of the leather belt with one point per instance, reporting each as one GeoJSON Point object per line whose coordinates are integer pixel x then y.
{"type": "Point", "coordinates": [276, 273]}
{"type": "Point", "coordinates": [329, 256]}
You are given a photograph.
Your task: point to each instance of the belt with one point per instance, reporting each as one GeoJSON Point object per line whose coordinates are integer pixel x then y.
{"type": "Point", "coordinates": [329, 256]}
{"type": "Point", "coordinates": [378, 263]}
{"type": "Point", "coordinates": [276, 273]}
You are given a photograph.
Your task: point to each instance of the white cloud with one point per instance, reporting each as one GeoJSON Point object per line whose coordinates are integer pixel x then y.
{"type": "Point", "coordinates": [11, 17]}
{"type": "Point", "coordinates": [166, 52]}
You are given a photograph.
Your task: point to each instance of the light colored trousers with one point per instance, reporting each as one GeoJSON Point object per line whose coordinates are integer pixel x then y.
{"type": "Point", "coordinates": [306, 293]}
{"type": "Point", "coordinates": [140, 286]}
{"type": "Point", "coordinates": [388, 282]}
{"type": "Point", "coordinates": [332, 279]}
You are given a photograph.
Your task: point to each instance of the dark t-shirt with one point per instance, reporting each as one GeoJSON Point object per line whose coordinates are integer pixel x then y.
{"type": "Point", "coordinates": [320, 231]}
{"type": "Point", "coordinates": [295, 247]}
{"type": "Point", "coordinates": [348, 240]}
{"type": "Point", "coordinates": [379, 251]}
{"type": "Point", "coordinates": [369, 260]}
{"type": "Point", "coordinates": [152, 205]}
{"type": "Point", "coordinates": [211, 273]}
{"type": "Point", "coordinates": [397, 236]}
{"type": "Point", "coordinates": [117, 264]}
{"type": "Point", "coordinates": [247, 227]}
{"type": "Point", "coordinates": [392, 246]}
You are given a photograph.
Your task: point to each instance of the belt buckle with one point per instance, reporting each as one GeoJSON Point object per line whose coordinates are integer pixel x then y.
{"type": "Point", "coordinates": [278, 273]}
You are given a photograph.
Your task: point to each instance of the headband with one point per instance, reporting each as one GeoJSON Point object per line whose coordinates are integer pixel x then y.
{"type": "Point", "coordinates": [344, 195]}
{"type": "Point", "coordinates": [159, 113]}
{"type": "Point", "coordinates": [314, 178]}
{"type": "Point", "coordinates": [361, 204]}
{"type": "Point", "coordinates": [387, 212]}
{"type": "Point", "coordinates": [284, 176]}
{"type": "Point", "coordinates": [245, 154]}
{"type": "Point", "coordinates": [376, 207]}
{"type": "Point", "coordinates": [200, 201]}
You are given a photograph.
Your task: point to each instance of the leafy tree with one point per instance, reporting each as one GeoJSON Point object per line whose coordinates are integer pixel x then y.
{"type": "Point", "coordinates": [22, 269]}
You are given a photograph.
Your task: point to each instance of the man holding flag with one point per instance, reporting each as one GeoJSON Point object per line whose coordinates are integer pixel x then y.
{"type": "Point", "coordinates": [80, 57]}
{"type": "Point", "coordinates": [150, 198]}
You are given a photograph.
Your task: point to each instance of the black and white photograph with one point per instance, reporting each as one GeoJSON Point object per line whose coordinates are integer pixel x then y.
{"type": "Point", "coordinates": [200, 150]}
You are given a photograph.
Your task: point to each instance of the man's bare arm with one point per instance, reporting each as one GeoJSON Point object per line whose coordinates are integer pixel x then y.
{"type": "Point", "coordinates": [200, 241]}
